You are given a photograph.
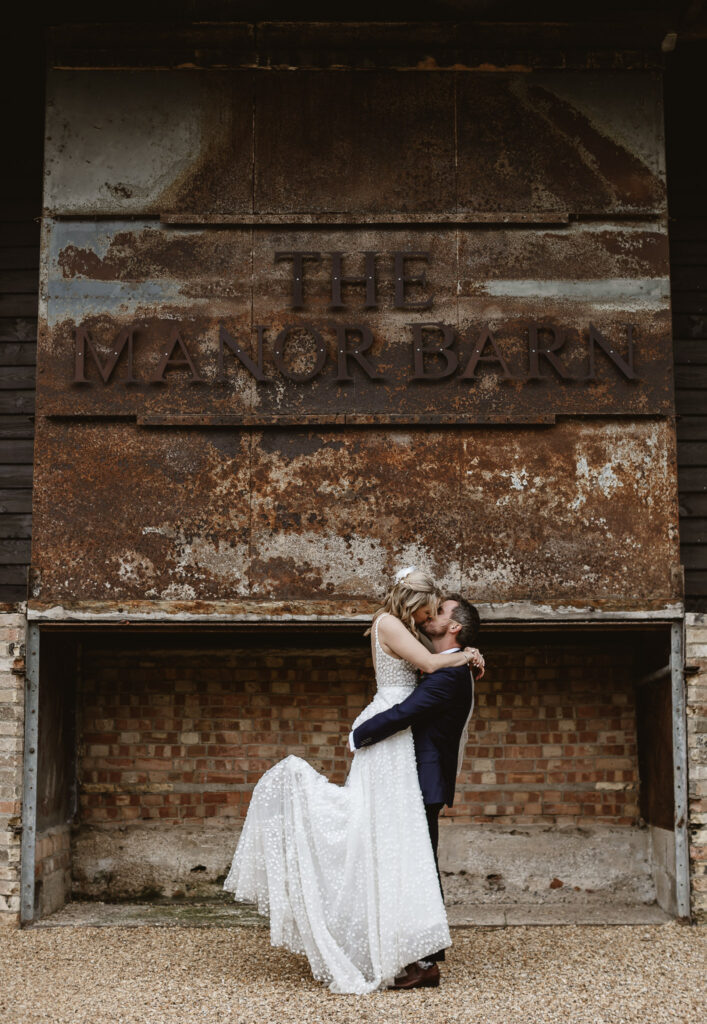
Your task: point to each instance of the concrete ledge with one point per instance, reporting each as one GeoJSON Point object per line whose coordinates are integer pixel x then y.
{"type": "Point", "coordinates": [562, 914]}
{"type": "Point", "coordinates": [479, 863]}
{"type": "Point", "coordinates": [221, 914]}
{"type": "Point", "coordinates": [551, 864]}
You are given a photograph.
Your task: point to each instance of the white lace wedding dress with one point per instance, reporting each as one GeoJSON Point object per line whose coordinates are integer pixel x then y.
{"type": "Point", "coordinates": [346, 873]}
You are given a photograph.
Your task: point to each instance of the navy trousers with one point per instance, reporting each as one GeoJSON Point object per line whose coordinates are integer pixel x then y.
{"type": "Point", "coordinates": [432, 812]}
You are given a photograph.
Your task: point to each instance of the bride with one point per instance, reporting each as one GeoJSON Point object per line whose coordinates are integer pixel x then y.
{"type": "Point", "coordinates": [347, 873]}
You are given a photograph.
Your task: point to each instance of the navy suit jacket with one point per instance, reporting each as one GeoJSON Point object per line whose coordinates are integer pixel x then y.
{"type": "Point", "coordinates": [437, 711]}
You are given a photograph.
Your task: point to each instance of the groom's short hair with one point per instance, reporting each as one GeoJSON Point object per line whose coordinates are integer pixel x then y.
{"type": "Point", "coordinates": [467, 616]}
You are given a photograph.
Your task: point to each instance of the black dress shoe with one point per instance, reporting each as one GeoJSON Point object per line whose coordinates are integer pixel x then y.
{"type": "Point", "coordinates": [419, 977]}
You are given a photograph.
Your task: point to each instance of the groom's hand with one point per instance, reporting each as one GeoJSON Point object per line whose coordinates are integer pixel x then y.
{"type": "Point", "coordinates": [477, 660]}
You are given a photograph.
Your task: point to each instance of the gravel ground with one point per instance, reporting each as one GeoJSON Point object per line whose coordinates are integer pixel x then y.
{"type": "Point", "coordinates": [147, 975]}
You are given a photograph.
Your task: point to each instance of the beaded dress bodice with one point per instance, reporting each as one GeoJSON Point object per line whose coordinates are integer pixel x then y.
{"type": "Point", "coordinates": [392, 671]}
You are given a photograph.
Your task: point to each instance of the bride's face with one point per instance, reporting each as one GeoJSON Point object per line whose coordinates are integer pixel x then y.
{"type": "Point", "coordinates": [439, 624]}
{"type": "Point", "coordinates": [424, 615]}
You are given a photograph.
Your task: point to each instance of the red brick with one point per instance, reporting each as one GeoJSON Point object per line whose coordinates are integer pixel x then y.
{"type": "Point", "coordinates": [569, 699]}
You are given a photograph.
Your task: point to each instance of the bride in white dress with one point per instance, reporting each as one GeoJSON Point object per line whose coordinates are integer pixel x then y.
{"type": "Point", "coordinates": [346, 873]}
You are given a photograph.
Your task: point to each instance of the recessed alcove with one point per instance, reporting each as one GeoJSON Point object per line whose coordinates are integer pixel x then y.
{"type": "Point", "coordinates": [150, 742]}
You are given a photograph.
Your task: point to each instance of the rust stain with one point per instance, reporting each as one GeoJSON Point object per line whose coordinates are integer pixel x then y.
{"type": "Point", "coordinates": [559, 516]}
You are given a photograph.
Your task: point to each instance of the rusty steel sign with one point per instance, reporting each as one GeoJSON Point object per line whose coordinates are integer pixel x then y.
{"type": "Point", "coordinates": [299, 328]}
{"type": "Point", "coordinates": [433, 355]}
{"type": "Point", "coordinates": [355, 337]}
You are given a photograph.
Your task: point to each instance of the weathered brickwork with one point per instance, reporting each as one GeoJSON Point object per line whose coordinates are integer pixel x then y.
{"type": "Point", "coordinates": [185, 736]}
{"type": "Point", "coordinates": [52, 869]}
{"type": "Point", "coordinates": [553, 740]}
{"type": "Point", "coordinates": [697, 759]}
{"type": "Point", "coordinates": [12, 683]}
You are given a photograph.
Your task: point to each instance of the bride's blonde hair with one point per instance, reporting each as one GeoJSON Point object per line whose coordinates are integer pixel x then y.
{"type": "Point", "coordinates": [414, 591]}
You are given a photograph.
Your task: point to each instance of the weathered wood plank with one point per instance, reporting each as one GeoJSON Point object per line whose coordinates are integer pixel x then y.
{"type": "Point", "coordinates": [18, 329]}
{"type": "Point", "coordinates": [19, 257]}
{"type": "Point", "coordinates": [19, 280]}
{"type": "Point", "coordinates": [15, 450]}
{"type": "Point", "coordinates": [12, 575]}
{"type": "Point", "coordinates": [687, 252]}
{"type": "Point", "coordinates": [19, 305]}
{"type": "Point", "coordinates": [692, 506]}
{"type": "Point", "coordinates": [688, 352]}
{"type": "Point", "coordinates": [689, 325]}
{"type": "Point", "coordinates": [25, 232]}
{"type": "Point", "coordinates": [689, 428]}
{"type": "Point", "coordinates": [686, 229]}
{"type": "Point", "coordinates": [17, 378]}
{"type": "Point", "coordinates": [15, 502]}
{"type": "Point", "coordinates": [16, 426]}
{"type": "Point", "coordinates": [695, 583]}
{"type": "Point", "coordinates": [688, 301]}
{"type": "Point", "coordinates": [14, 552]}
{"type": "Point", "coordinates": [692, 531]}
{"type": "Point", "coordinates": [693, 556]}
{"type": "Point", "coordinates": [688, 277]}
{"type": "Point", "coordinates": [687, 378]}
{"type": "Point", "coordinates": [16, 402]}
{"type": "Point", "coordinates": [16, 475]}
{"type": "Point", "coordinates": [17, 209]}
{"type": "Point", "coordinates": [691, 403]}
{"type": "Point", "coordinates": [692, 480]}
{"type": "Point", "coordinates": [19, 526]}
{"type": "Point", "coordinates": [690, 453]}
{"type": "Point", "coordinates": [18, 353]}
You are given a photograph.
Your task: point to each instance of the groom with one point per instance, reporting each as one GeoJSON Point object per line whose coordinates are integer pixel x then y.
{"type": "Point", "coordinates": [437, 711]}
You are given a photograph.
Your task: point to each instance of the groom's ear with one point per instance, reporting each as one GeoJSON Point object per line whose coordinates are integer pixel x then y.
{"type": "Point", "coordinates": [454, 627]}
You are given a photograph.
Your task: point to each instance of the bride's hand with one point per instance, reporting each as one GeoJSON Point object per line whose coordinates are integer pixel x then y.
{"type": "Point", "coordinates": [476, 659]}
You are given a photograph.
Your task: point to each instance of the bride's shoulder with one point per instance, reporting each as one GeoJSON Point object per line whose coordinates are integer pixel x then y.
{"type": "Point", "coordinates": [387, 622]}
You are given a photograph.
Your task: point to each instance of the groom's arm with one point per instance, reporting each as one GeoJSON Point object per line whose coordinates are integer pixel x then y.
{"type": "Point", "coordinates": [430, 696]}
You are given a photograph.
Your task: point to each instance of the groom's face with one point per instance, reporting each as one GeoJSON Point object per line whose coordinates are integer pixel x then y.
{"type": "Point", "coordinates": [439, 624]}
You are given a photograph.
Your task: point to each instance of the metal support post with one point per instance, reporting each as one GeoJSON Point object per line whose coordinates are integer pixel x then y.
{"type": "Point", "coordinates": [682, 862]}
{"type": "Point", "coordinates": [29, 793]}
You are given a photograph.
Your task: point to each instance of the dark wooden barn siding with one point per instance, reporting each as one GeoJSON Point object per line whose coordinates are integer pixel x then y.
{"type": "Point", "coordinates": [20, 209]}
{"type": "Point", "coordinates": [685, 94]}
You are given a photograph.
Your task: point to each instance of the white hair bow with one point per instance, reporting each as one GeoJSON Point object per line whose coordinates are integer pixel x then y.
{"type": "Point", "coordinates": [402, 573]}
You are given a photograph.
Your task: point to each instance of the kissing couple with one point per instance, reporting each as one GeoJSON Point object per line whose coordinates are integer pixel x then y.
{"type": "Point", "coordinates": [348, 874]}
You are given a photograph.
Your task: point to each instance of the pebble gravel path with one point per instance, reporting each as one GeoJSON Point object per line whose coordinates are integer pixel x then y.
{"type": "Point", "coordinates": [178, 975]}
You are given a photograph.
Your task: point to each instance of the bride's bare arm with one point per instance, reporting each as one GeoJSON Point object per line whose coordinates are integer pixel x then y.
{"type": "Point", "coordinates": [403, 644]}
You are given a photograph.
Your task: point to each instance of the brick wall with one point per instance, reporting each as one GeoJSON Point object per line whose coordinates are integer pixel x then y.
{"type": "Point", "coordinates": [52, 869]}
{"type": "Point", "coordinates": [697, 759]}
{"type": "Point", "coordinates": [179, 735]}
{"type": "Point", "coordinates": [554, 737]}
{"type": "Point", "coordinates": [12, 694]}
{"type": "Point", "coordinates": [185, 735]}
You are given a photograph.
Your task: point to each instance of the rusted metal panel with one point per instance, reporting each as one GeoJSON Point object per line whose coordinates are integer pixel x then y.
{"type": "Point", "coordinates": [127, 144]}
{"type": "Point", "coordinates": [326, 464]}
{"type": "Point", "coordinates": [561, 516]}
{"type": "Point", "coordinates": [492, 297]}
{"type": "Point", "coordinates": [120, 512]}
{"type": "Point", "coordinates": [585, 143]}
{"type": "Point", "coordinates": [371, 141]}
{"type": "Point", "coordinates": [488, 511]}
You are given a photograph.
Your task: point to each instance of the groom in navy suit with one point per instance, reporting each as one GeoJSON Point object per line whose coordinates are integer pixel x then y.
{"type": "Point", "coordinates": [437, 711]}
